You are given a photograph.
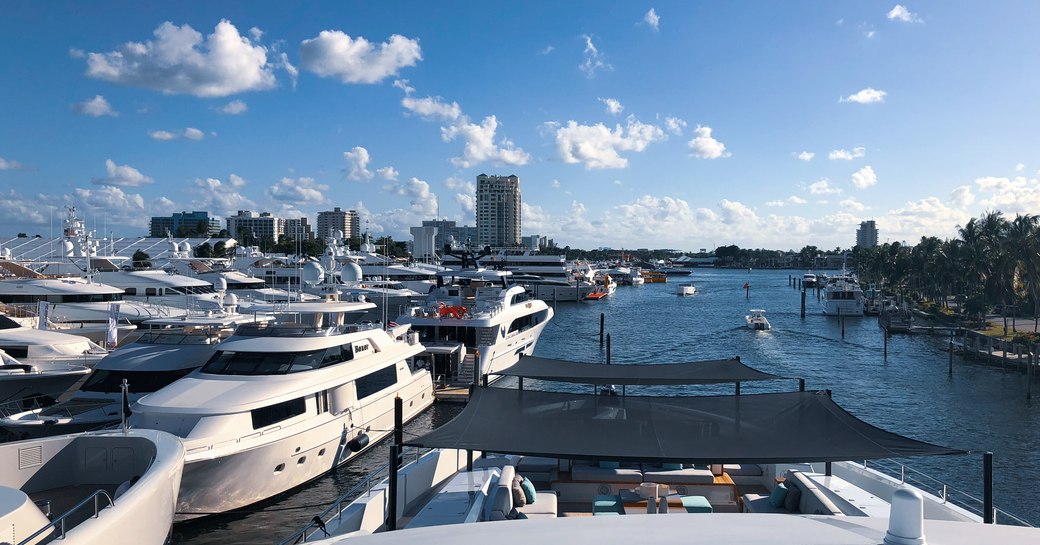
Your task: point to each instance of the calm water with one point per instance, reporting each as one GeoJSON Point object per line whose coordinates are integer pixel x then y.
{"type": "Point", "coordinates": [979, 408]}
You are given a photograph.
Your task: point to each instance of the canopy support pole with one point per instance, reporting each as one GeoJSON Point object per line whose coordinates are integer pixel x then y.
{"type": "Point", "coordinates": [827, 469]}
{"type": "Point", "coordinates": [395, 464]}
{"type": "Point", "coordinates": [987, 488]}
{"type": "Point", "coordinates": [738, 388]}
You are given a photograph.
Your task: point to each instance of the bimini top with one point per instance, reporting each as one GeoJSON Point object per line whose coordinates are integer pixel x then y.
{"type": "Point", "coordinates": [700, 372]}
{"type": "Point", "coordinates": [795, 427]}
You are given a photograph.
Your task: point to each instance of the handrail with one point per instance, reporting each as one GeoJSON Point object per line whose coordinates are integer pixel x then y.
{"type": "Point", "coordinates": [61, 520]}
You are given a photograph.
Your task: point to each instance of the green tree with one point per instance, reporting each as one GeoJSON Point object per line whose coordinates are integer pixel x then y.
{"type": "Point", "coordinates": [204, 250]}
{"type": "Point", "coordinates": [140, 260]}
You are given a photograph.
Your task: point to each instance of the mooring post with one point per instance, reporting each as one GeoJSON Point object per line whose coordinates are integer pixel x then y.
{"type": "Point", "coordinates": [801, 385]}
{"type": "Point", "coordinates": [601, 328]}
{"type": "Point", "coordinates": [987, 487]}
{"type": "Point", "coordinates": [391, 496]}
{"type": "Point", "coordinates": [884, 332]}
{"type": "Point", "coordinates": [803, 303]}
{"type": "Point", "coordinates": [608, 348]}
{"type": "Point", "coordinates": [951, 352]}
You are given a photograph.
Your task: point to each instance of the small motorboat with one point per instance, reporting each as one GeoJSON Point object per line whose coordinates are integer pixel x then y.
{"type": "Point", "coordinates": [687, 289]}
{"type": "Point", "coordinates": [756, 320]}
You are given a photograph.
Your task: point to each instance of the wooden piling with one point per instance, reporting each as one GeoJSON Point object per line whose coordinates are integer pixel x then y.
{"type": "Point", "coordinates": [951, 352]}
{"type": "Point", "coordinates": [608, 348]}
{"type": "Point", "coordinates": [601, 318]}
{"type": "Point", "coordinates": [803, 303]}
{"type": "Point", "coordinates": [884, 332]}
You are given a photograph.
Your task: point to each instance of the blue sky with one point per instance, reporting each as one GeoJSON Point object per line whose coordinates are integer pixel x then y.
{"type": "Point", "coordinates": [664, 124]}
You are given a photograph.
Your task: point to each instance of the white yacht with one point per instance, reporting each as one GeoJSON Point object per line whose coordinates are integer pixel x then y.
{"type": "Point", "coordinates": [756, 320]}
{"type": "Point", "coordinates": [32, 346]}
{"type": "Point", "coordinates": [283, 402]}
{"type": "Point", "coordinates": [688, 288]}
{"type": "Point", "coordinates": [480, 320]}
{"type": "Point", "coordinates": [115, 487]}
{"type": "Point", "coordinates": [169, 349]}
{"type": "Point", "coordinates": [809, 280]}
{"type": "Point", "coordinates": [75, 305]}
{"type": "Point", "coordinates": [24, 385]}
{"type": "Point", "coordinates": [843, 296]}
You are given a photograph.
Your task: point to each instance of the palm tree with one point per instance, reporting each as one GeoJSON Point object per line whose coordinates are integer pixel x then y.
{"type": "Point", "coordinates": [1023, 244]}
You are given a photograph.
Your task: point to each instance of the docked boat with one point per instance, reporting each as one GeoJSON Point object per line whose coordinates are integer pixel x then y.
{"type": "Point", "coordinates": [114, 487]}
{"type": "Point", "coordinates": [282, 402]}
{"type": "Point", "coordinates": [654, 277]}
{"type": "Point", "coordinates": [675, 455]}
{"type": "Point", "coordinates": [756, 320]}
{"type": "Point", "coordinates": [24, 385]}
{"type": "Point", "coordinates": [843, 296]}
{"type": "Point", "coordinates": [688, 288]}
{"type": "Point", "coordinates": [809, 280]}
{"type": "Point", "coordinates": [476, 322]}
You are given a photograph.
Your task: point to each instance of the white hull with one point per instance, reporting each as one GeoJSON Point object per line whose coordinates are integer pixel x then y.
{"type": "Point", "coordinates": [851, 309]}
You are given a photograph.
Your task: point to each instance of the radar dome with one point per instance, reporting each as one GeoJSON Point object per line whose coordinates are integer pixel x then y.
{"type": "Point", "coordinates": [312, 273]}
{"type": "Point", "coordinates": [185, 246]}
{"type": "Point", "coordinates": [221, 284]}
{"type": "Point", "coordinates": [67, 246]}
{"type": "Point", "coordinates": [337, 234]}
{"type": "Point", "coordinates": [230, 301]}
{"type": "Point", "coordinates": [351, 272]}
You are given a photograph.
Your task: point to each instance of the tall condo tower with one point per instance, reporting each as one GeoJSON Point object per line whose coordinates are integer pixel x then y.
{"type": "Point", "coordinates": [866, 235]}
{"type": "Point", "coordinates": [498, 210]}
{"type": "Point", "coordinates": [338, 219]}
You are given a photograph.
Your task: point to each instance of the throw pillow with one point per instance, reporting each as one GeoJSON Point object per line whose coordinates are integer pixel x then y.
{"type": "Point", "coordinates": [519, 499]}
{"type": "Point", "coordinates": [776, 497]}
{"type": "Point", "coordinates": [528, 487]}
{"type": "Point", "coordinates": [671, 467]}
{"type": "Point", "coordinates": [520, 515]}
{"type": "Point", "coordinates": [792, 499]}
{"type": "Point", "coordinates": [610, 465]}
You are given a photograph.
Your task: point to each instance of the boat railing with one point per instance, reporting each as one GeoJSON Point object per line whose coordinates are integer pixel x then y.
{"type": "Point", "coordinates": [338, 507]}
{"type": "Point", "coordinates": [59, 523]}
{"type": "Point", "coordinates": [947, 493]}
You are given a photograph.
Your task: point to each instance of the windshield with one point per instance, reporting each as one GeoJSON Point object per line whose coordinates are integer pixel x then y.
{"type": "Point", "coordinates": [275, 363]}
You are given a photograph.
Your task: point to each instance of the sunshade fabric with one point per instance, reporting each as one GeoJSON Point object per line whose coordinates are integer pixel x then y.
{"type": "Point", "coordinates": [760, 428]}
{"type": "Point", "coordinates": [700, 372]}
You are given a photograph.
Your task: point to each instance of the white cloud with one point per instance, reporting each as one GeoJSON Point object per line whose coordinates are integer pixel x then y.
{"type": "Point", "coordinates": [112, 202]}
{"type": "Point", "coordinates": [28, 210]}
{"type": "Point", "coordinates": [191, 133]}
{"type": "Point", "coordinates": [236, 181]}
{"type": "Point", "coordinates": [1019, 195]}
{"type": "Point", "coordinates": [704, 146]}
{"type": "Point", "coordinates": [403, 85]}
{"type": "Point", "coordinates": [869, 95]}
{"type": "Point", "coordinates": [6, 164]}
{"type": "Point", "coordinates": [793, 199]}
{"type": "Point", "coordinates": [804, 156]}
{"type": "Point", "coordinates": [180, 61]}
{"type": "Point", "coordinates": [901, 14]}
{"type": "Point", "coordinates": [613, 106]}
{"type": "Point", "coordinates": [597, 146]}
{"type": "Point", "coordinates": [924, 217]}
{"type": "Point", "coordinates": [284, 64]}
{"type": "Point", "coordinates": [852, 205]}
{"type": "Point", "coordinates": [674, 125]}
{"type": "Point", "coordinates": [422, 205]}
{"type": "Point", "coordinates": [121, 175]}
{"type": "Point", "coordinates": [864, 177]}
{"type": "Point", "coordinates": [357, 164]}
{"type": "Point", "coordinates": [432, 108]}
{"type": "Point", "coordinates": [235, 107]}
{"type": "Point", "coordinates": [594, 60]}
{"type": "Point", "coordinates": [95, 107]}
{"type": "Point", "coordinates": [846, 155]}
{"type": "Point", "coordinates": [387, 173]}
{"type": "Point", "coordinates": [555, 184]}
{"type": "Point", "coordinates": [1020, 167]}
{"type": "Point", "coordinates": [298, 191]}
{"type": "Point", "coordinates": [459, 184]}
{"type": "Point", "coordinates": [823, 187]}
{"type": "Point", "coordinates": [962, 196]}
{"type": "Point", "coordinates": [220, 197]}
{"type": "Point", "coordinates": [480, 145]}
{"type": "Point", "coordinates": [466, 193]}
{"type": "Point", "coordinates": [652, 19]}
{"type": "Point", "coordinates": [162, 135]}
{"type": "Point", "coordinates": [546, 50]}
{"type": "Point", "coordinates": [335, 54]}
{"type": "Point", "coordinates": [870, 34]}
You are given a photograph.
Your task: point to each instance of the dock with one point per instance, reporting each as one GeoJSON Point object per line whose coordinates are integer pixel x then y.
{"type": "Point", "coordinates": [452, 394]}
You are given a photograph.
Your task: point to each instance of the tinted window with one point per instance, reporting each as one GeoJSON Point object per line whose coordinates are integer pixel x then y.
{"type": "Point", "coordinates": [263, 363]}
{"type": "Point", "coordinates": [140, 382]}
{"type": "Point", "coordinates": [375, 382]}
{"type": "Point", "coordinates": [265, 416]}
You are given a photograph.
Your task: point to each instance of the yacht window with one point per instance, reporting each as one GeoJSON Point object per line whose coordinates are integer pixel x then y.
{"type": "Point", "coordinates": [521, 323]}
{"type": "Point", "coordinates": [375, 382]}
{"type": "Point", "coordinates": [130, 291]}
{"type": "Point", "coordinates": [16, 351]}
{"type": "Point", "coordinates": [139, 382]}
{"type": "Point", "coordinates": [337, 354]}
{"type": "Point", "coordinates": [273, 414]}
{"type": "Point", "coordinates": [150, 291]}
{"type": "Point", "coordinates": [262, 363]}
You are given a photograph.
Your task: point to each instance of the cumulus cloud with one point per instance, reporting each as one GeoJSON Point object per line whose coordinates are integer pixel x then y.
{"type": "Point", "coordinates": [480, 144]}
{"type": "Point", "coordinates": [546, 50]}
{"type": "Point", "coordinates": [597, 146]}
{"type": "Point", "coordinates": [594, 61]}
{"type": "Point", "coordinates": [335, 54]}
{"type": "Point", "coordinates": [432, 108]}
{"type": "Point", "coordinates": [903, 15]}
{"type": "Point", "coordinates": [613, 106]}
{"type": "Point", "coordinates": [299, 191]}
{"type": "Point", "coordinates": [235, 107]}
{"type": "Point", "coordinates": [962, 196]}
{"type": "Point", "coordinates": [924, 217]}
{"type": "Point", "coordinates": [674, 125]}
{"type": "Point", "coordinates": [1020, 167]}
{"type": "Point", "coordinates": [845, 155]}
{"type": "Point", "coordinates": [180, 61]}
{"type": "Point", "coordinates": [162, 135]}
{"type": "Point", "coordinates": [357, 164]}
{"type": "Point", "coordinates": [121, 175]}
{"type": "Point", "coordinates": [121, 207]}
{"type": "Point", "coordinates": [852, 205]}
{"type": "Point", "coordinates": [864, 177]}
{"type": "Point", "coordinates": [555, 184]}
{"type": "Point", "coordinates": [804, 156]}
{"type": "Point", "coordinates": [823, 187]}
{"type": "Point", "coordinates": [704, 146]}
{"type": "Point", "coordinates": [792, 200]}
{"type": "Point", "coordinates": [652, 19]}
{"type": "Point", "coordinates": [222, 198]}
{"type": "Point", "coordinates": [6, 164]}
{"type": "Point", "coordinates": [191, 133]}
{"type": "Point", "coordinates": [869, 95]}
{"type": "Point", "coordinates": [403, 85]}
{"type": "Point", "coordinates": [1019, 195]}
{"type": "Point", "coordinates": [387, 173]}
{"type": "Point", "coordinates": [28, 210]}
{"type": "Point", "coordinates": [422, 205]}
{"type": "Point", "coordinates": [95, 107]}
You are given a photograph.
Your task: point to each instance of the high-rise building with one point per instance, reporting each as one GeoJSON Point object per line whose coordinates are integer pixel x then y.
{"type": "Point", "coordinates": [498, 211]}
{"type": "Point", "coordinates": [338, 219]}
{"type": "Point", "coordinates": [182, 224]}
{"type": "Point", "coordinates": [866, 235]}
{"type": "Point", "coordinates": [448, 230]}
{"type": "Point", "coordinates": [298, 229]}
{"type": "Point", "coordinates": [259, 226]}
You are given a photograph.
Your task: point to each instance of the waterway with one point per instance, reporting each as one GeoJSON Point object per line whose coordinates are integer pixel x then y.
{"type": "Point", "coordinates": [977, 408]}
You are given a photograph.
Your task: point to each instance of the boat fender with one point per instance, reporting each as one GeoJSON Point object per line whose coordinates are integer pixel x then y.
{"type": "Point", "coordinates": [358, 443]}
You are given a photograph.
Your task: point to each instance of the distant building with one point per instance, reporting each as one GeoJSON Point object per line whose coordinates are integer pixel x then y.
{"type": "Point", "coordinates": [449, 230]}
{"type": "Point", "coordinates": [257, 225]}
{"type": "Point", "coordinates": [182, 224]}
{"type": "Point", "coordinates": [338, 219]}
{"type": "Point", "coordinates": [298, 229]}
{"type": "Point", "coordinates": [498, 211]}
{"type": "Point", "coordinates": [866, 235]}
{"type": "Point", "coordinates": [423, 246]}
{"type": "Point", "coordinates": [535, 242]}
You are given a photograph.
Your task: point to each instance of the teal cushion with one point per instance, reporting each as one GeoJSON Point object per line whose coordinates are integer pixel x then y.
{"type": "Point", "coordinates": [610, 465]}
{"type": "Point", "coordinates": [520, 515]}
{"type": "Point", "coordinates": [528, 489]}
{"type": "Point", "coordinates": [670, 467]}
{"type": "Point", "coordinates": [776, 497]}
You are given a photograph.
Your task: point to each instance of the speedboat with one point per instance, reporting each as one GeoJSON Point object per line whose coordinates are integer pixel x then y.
{"type": "Point", "coordinates": [689, 288]}
{"type": "Point", "coordinates": [114, 487]}
{"type": "Point", "coordinates": [756, 320]}
{"type": "Point", "coordinates": [283, 402]}
{"type": "Point", "coordinates": [843, 296]}
{"type": "Point", "coordinates": [574, 454]}
{"type": "Point", "coordinates": [809, 280]}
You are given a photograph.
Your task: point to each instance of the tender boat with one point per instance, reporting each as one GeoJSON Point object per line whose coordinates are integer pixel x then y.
{"type": "Point", "coordinates": [756, 320]}
{"type": "Point", "coordinates": [688, 288]}
{"type": "Point", "coordinates": [283, 402]}
{"type": "Point", "coordinates": [114, 487]}
{"type": "Point", "coordinates": [572, 454]}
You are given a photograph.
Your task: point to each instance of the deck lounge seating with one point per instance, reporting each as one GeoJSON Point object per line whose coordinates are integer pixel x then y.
{"type": "Point", "coordinates": [677, 474]}
{"type": "Point", "coordinates": [499, 504]}
{"type": "Point", "coordinates": [802, 497]}
{"type": "Point", "coordinates": [605, 472]}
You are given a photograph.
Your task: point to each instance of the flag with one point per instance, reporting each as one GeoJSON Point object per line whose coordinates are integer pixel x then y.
{"type": "Point", "coordinates": [113, 317]}
{"type": "Point", "coordinates": [43, 309]}
{"type": "Point", "coordinates": [391, 324]}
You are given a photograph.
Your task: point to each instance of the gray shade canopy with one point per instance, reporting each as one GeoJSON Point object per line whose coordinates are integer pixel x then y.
{"type": "Point", "coordinates": [789, 427]}
{"type": "Point", "coordinates": [700, 372]}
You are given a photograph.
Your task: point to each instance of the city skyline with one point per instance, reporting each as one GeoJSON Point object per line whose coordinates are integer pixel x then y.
{"type": "Point", "coordinates": [659, 124]}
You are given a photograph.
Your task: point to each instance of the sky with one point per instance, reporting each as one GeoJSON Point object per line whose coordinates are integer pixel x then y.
{"type": "Point", "coordinates": [682, 125]}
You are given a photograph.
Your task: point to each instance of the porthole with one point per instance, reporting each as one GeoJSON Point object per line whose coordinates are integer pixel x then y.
{"type": "Point", "coordinates": [321, 452]}
{"type": "Point", "coordinates": [278, 468]}
{"type": "Point", "coordinates": [301, 460]}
